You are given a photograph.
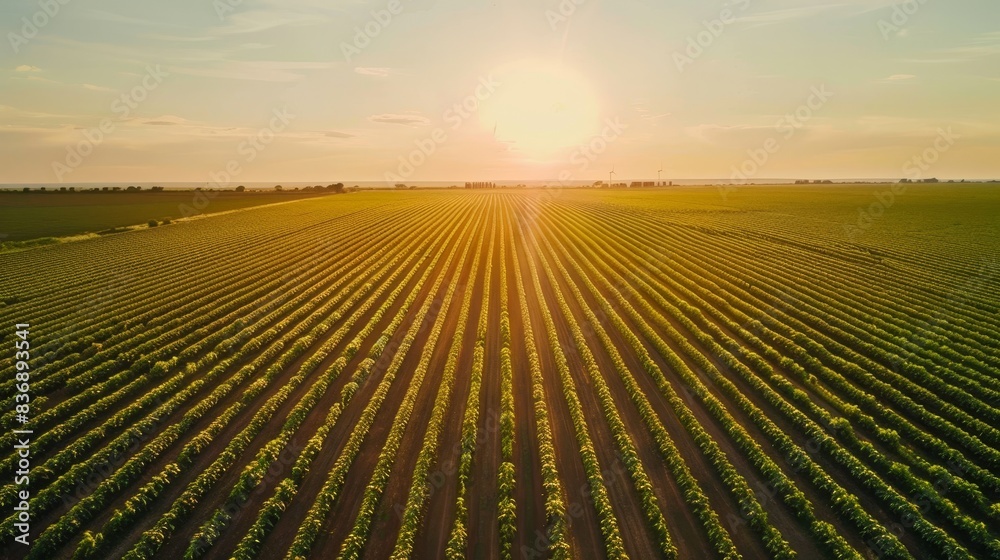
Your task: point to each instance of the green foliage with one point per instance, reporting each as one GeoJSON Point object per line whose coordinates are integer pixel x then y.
{"type": "Point", "coordinates": [843, 383]}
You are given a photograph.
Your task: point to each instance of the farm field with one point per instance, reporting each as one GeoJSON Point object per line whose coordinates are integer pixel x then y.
{"type": "Point", "coordinates": [562, 373]}
{"type": "Point", "coordinates": [26, 216]}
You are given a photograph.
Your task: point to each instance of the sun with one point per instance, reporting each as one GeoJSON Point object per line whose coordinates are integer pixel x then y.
{"type": "Point", "coordinates": [541, 107]}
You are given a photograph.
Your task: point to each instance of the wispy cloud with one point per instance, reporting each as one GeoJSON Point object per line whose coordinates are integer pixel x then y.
{"type": "Point", "coordinates": [783, 15]}
{"type": "Point", "coordinates": [34, 78]}
{"type": "Point", "coordinates": [118, 18]}
{"type": "Point", "coordinates": [92, 87]}
{"type": "Point", "coordinates": [12, 113]}
{"type": "Point", "coordinates": [255, 70]}
{"type": "Point", "coordinates": [178, 38]}
{"type": "Point", "coordinates": [27, 68]}
{"type": "Point", "coordinates": [409, 119]}
{"type": "Point", "coordinates": [263, 20]}
{"type": "Point", "coordinates": [739, 134]}
{"type": "Point", "coordinates": [167, 120]}
{"type": "Point", "coordinates": [986, 45]}
{"type": "Point", "coordinates": [846, 8]}
{"type": "Point", "coordinates": [897, 78]}
{"type": "Point", "coordinates": [377, 72]}
{"type": "Point", "coordinates": [647, 115]}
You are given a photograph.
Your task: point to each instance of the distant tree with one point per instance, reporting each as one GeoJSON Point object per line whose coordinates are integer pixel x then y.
{"type": "Point", "coordinates": [157, 189]}
{"type": "Point", "coordinates": [240, 188]}
{"type": "Point", "coordinates": [166, 221]}
{"type": "Point", "coordinates": [152, 223]}
{"type": "Point", "coordinates": [279, 188]}
{"type": "Point", "coordinates": [27, 189]}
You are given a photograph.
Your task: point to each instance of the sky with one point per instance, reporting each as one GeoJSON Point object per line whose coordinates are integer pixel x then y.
{"type": "Point", "coordinates": [229, 91]}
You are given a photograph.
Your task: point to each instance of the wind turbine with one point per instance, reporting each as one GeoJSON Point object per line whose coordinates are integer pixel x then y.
{"type": "Point", "coordinates": [660, 170]}
{"type": "Point", "coordinates": [612, 173]}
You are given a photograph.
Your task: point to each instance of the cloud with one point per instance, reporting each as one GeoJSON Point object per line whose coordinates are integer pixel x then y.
{"type": "Point", "coordinates": [406, 119]}
{"type": "Point", "coordinates": [986, 45]}
{"type": "Point", "coordinates": [738, 134]}
{"type": "Point", "coordinates": [259, 70]}
{"type": "Point", "coordinates": [335, 134]}
{"type": "Point", "coordinates": [378, 72]}
{"type": "Point", "coordinates": [782, 15]}
{"type": "Point", "coordinates": [654, 118]}
{"type": "Point", "coordinates": [92, 87]}
{"type": "Point", "coordinates": [897, 78]}
{"type": "Point", "coordinates": [256, 21]}
{"type": "Point", "coordinates": [27, 68]}
{"type": "Point", "coordinates": [166, 120]}
{"type": "Point", "coordinates": [178, 38]}
{"type": "Point", "coordinates": [33, 78]}
{"type": "Point", "coordinates": [846, 8]}
{"type": "Point", "coordinates": [113, 17]}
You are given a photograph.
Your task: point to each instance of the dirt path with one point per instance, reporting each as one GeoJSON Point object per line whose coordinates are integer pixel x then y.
{"type": "Point", "coordinates": [432, 539]}
{"type": "Point", "coordinates": [529, 494]}
{"type": "Point", "coordinates": [584, 525]}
